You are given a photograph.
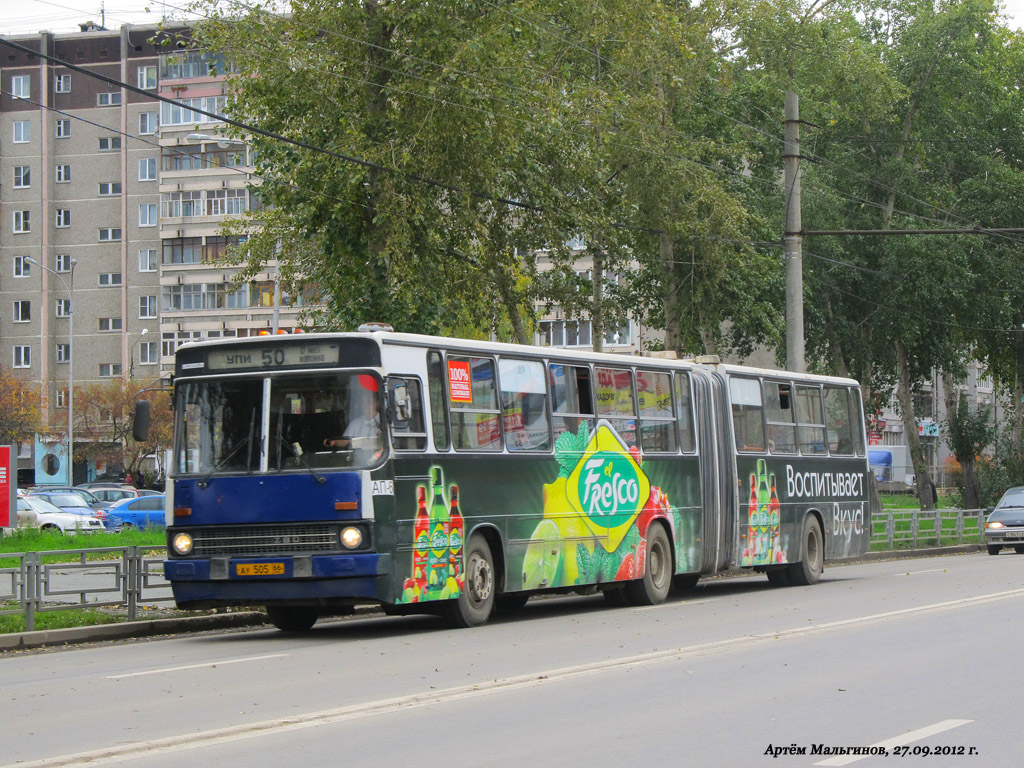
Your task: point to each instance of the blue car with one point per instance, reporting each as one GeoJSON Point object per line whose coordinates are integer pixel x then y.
{"type": "Point", "coordinates": [140, 512]}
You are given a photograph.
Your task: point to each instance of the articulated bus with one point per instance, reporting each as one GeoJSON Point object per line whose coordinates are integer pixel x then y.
{"type": "Point", "coordinates": [316, 472]}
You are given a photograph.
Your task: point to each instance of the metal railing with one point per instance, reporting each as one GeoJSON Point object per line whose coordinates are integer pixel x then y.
{"type": "Point", "coordinates": [911, 528]}
{"type": "Point", "coordinates": [118, 577]}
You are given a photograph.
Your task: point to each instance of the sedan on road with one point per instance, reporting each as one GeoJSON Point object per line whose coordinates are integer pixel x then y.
{"type": "Point", "coordinates": [141, 512]}
{"type": "Point", "coordinates": [1005, 524]}
{"type": "Point", "coordinates": [33, 512]}
{"type": "Point", "coordinates": [69, 502]}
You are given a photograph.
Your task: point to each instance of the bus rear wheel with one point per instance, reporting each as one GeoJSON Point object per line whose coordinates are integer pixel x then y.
{"type": "Point", "coordinates": [292, 618]}
{"type": "Point", "coordinates": [652, 588]}
{"type": "Point", "coordinates": [473, 606]}
{"type": "Point", "coordinates": [812, 563]}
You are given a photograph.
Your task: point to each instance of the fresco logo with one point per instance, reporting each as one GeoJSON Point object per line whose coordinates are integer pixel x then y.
{"type": "Point", "coordinates": [608, 487]}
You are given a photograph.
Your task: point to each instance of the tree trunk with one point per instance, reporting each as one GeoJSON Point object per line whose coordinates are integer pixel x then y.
{"type": "Point", "coordinates": [925, 487]}
{"type": "Point", "coordinates": [597, 311]}
{"type": "Point", "coordinates": [670, 300]}
{"type": "Point", "coordinates": [967, 458]}
{"type": "Point", "coordinates": [1018, 392]}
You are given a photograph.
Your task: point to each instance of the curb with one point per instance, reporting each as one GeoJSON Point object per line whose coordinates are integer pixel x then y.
{"type": "Point", "coordinates": [100, 632]}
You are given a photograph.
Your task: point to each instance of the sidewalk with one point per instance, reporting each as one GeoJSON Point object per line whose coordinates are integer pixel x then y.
{"type": "Point", "coordinates": [217, 621]}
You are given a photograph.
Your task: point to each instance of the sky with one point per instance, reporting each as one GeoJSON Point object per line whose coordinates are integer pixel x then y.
{"type": "Point", "coordinates": [29, 16]}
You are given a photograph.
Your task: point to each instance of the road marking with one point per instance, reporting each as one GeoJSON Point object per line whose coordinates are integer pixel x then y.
{"type": "Point", "coordinates": [677, 603]}
{"type": "Point", "coordinates": [930, 570]}
{"type": "Point", "coordinates": [175, 744]}
{"type": "Point", "coordinates": [899, 741]}
{"type": "Point", "coordinates": [205, 665]}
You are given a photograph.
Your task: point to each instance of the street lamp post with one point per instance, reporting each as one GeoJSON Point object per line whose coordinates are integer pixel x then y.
{"type": "Point", "coordinates": [131, 353]}
{"type": "Point", "coordinates": [69, 287]}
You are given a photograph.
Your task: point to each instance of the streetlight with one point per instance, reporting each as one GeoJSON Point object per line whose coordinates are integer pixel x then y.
{"type": "Point", "coordinates": [71, 371]}
{"type": "Point", "coordinates": [131, 353]}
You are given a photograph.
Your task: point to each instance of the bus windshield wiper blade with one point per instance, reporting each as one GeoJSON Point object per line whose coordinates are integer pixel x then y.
{"type": "Point", "coordinates": [296, 451]}
{"type": "Point", "coordinates": [205, 481]}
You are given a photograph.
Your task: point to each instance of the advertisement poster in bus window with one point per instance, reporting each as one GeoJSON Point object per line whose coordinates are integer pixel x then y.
{"type": "Point", "coordinates": [592, 529]}
{"type": "Point", "coordinates": [459, 382]}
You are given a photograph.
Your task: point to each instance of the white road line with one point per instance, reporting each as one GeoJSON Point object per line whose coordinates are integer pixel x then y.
{"type": "Point", "coordinates": [205, 665]}
{"type": "Point", "coordinates": [899, 741]}
{"type": "Point", "coordinates": [677, 603]}
{"type": "Point", "coordinates": [930, 570]}
{"type": "Point", "coordinates": [175, 744]}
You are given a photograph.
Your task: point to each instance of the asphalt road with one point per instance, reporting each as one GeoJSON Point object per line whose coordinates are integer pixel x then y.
{"type": "Point", "coordinates": [904, 657]}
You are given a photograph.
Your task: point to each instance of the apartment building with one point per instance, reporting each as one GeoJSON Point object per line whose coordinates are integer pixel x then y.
{"type": "Point", "coordinates": [111, 206]}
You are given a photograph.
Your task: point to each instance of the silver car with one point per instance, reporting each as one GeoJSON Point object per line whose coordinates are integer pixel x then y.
{"type": "Point", "coordinates": [1005, 524]}
{"type": "Point", "coordinates": [37, 513]}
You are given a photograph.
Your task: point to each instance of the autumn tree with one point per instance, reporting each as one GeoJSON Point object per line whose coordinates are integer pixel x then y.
{"type": "Point", "coordinates": [20, 415]}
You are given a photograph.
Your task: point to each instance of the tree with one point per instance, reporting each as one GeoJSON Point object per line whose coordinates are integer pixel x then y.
{"type": "Point", "coordinates": [20, 417]}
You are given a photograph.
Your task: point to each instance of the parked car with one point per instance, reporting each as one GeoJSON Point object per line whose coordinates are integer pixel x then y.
{"type": "Point", "coordinates": [110, 492]}
{"type": "Point", "coordinates": [141, 512]}
{"type": "Point", "coordinates": [34, 512]}
{"type": "Point", "coordinates": [1005, 524]}
{"type": "Point", "coordinates": [90, 499]}
{"type": "Point", "coordinates": [68, 501]}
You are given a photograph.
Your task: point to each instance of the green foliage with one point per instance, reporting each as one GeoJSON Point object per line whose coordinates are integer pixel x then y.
{"type": "Point", "coordinates": [35, 540]}
{"type": "Point", "coordinates": [85, 617]}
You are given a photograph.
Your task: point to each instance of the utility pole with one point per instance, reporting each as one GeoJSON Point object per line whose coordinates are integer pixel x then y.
{"type": "Point", "coordinates": [793, 239]}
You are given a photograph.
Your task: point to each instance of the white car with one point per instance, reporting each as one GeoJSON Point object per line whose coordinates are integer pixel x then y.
{"type": "Point", "coordinates": [36, 513]}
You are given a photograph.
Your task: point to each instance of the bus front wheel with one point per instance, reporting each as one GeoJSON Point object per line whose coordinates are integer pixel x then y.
{"type": "Point", "coordinates": [292, 618]}
{"type": "Point", "coordinates": [473, 606]}
{"type": "Point", "coordinates": [812, 563]}
{"type": "Point", "coordinates": [652, 588]}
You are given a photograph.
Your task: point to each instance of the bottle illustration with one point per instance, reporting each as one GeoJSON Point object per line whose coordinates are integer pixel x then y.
{"type": "Point", "coordinates": [774, 521]}
{"type": "Point", "coordinates": [749, 551]}
{"type": "Point", "coordinates": [421, 539]}
{"type": "Point", "coordinates": [437, 563]}
{"type": "Point", "coordinates": [456, 528]}
{"type": "Point", "coordinates": [763, 503]}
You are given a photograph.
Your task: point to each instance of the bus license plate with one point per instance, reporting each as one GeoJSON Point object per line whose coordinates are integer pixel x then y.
{"type": "Point", "coordinates": [259, 569]}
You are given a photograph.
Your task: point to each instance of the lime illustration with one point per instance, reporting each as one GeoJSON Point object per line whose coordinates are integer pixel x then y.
{"type": "Point", "coordinates": [543, 556]}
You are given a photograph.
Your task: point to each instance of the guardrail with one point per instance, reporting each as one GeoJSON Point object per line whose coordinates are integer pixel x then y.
{"type": "Point", "coordinates": [909, 528]}
{"type": "Point", "coordinates": [127, 577]}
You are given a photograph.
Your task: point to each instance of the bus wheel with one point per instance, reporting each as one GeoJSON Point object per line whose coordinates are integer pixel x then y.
{"type": "Point", "coordinates": [292, 618]}
{"type": "Point", "coordinates": [473, 606]}
{"type": "Point", "coordinates": [808, 570]}
{"type": "Point", "coordinates": [992, 549]}
{"type": "Point", "coordinates": [653, 587]}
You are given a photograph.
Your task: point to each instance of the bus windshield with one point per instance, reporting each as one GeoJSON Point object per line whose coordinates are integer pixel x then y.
{"type": "Point", "coordinates": [269, 424]}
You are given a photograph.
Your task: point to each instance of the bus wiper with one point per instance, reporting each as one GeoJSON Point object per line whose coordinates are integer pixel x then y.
{"type": "Point", "coordinates": [205, 481]}
{"type": "Point", "coordinates": [296, 451]}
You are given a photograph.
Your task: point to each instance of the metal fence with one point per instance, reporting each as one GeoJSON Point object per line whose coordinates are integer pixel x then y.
{"type": "Point", "coordinates": [911, 528]}
{"type": "Point", "coordinates": [118, 577]}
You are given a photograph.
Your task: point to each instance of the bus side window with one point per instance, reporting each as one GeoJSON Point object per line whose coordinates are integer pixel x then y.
{"type": "Point", "coordinates": [409, 435]}
{"type": "Point", "coordinates": [615, 401]}
{"type": "Point", "coordinates": [473, 404]}
{"type": "Point", "coordinates": [438, 411]}
{"type": "Point", "coordinates": [747, 413]}
{"type": "Point", "coordinates": [857, 421]}
{"type": "Point", "coordinates": [524, 405]}
{"type": "Point", "coordinates": [811, 429]}
{"type": "Point", "coordinates": [781, 421]}
{"type": "Point", "coordinates": [684, 413]}
{"type": "Point", "coordinates": [572, 400]}
{"type": "Point", "coordinates": [838, 424]}
{"type": "Point", "coordinates": [657, 422]}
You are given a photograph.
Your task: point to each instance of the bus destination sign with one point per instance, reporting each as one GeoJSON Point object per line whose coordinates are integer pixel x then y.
{"type": "Point", "coordinates": [273, 356]}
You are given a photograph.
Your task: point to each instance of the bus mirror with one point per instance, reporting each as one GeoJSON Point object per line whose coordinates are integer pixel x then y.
{"type": "Point", "coordinates": [400, 398]}
{"type": "Point", "coordinates": [140, 425]}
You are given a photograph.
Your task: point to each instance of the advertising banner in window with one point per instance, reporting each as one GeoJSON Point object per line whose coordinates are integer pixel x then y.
{"type": "Point", "coordinates": [459, 382]}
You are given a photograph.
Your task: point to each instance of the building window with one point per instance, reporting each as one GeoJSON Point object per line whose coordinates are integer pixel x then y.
{"type": "Point", "coordinates": [110, 143]}
{"type": "Point", "coordinates": [148, 353]}
{"type": "Point", "coordinates": [225, 201]}
{"type": "Point", "coordinates": [62, 84]}
{"type": "Point", "coordinates": [110, 324]}
{"type": "Point", "coordinates": [108, 188]}
{"type": "Point", "coordinates": [147, 77]}
{"type": "Point", "coordinates": [22, 222]}
{"type": "Point", "coordinates": [63, 174]}
{"type": "Point", "coordinates": [109, 370]}
{"type": "Point", "coordinates": [22, 176]}
{"type": "Point", "coordinates": [147, 260]}
{"type": "Point", "coordinates": [147, 123]}
{"type": "Point", "coordinates": [62, 398]}
{"type": "Point", "coordinates": [22, 132]}
{"type": "Point", "coordinates": [110, 234]}
{"type": "Point", "coordinates": [22, 311]}
{"type": "Point", "coordinates": [147, 169]}
{"type": "Point", "coordinates": [182, 204]}
{"type": "Point", "coordinates": [21, 86]}
{"type": "Point", "coordinates": [22, 356]}
{"type": "Point", "coordinates": [63, 218]}
{"type": "Point", "coordinates": [110, 279]}
{"type": "Point", "coordinates": [147, 307]}
{"type": "Point", "coordinates": [112, 99]}
{"type": "Point", "coordinates": [63, 128]}
{"type": "Point", "coordinates": [180, 112]}
{"type": "Point", "coordinates": [63, 308]}
{"type": "Point", "coordinates": [147, 215]}
{"type": "Point", "coordinates": [22, 268]}
{"type": "Point", "coordinates": [62, 262]}
{"type": "Point", "coordinates": [63, 353]}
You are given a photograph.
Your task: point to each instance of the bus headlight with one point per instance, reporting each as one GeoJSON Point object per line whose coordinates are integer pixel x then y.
{"type": "Point", "coordinates": [181, 544]}
{"type": "Point", "coordinates": [351, 537]}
